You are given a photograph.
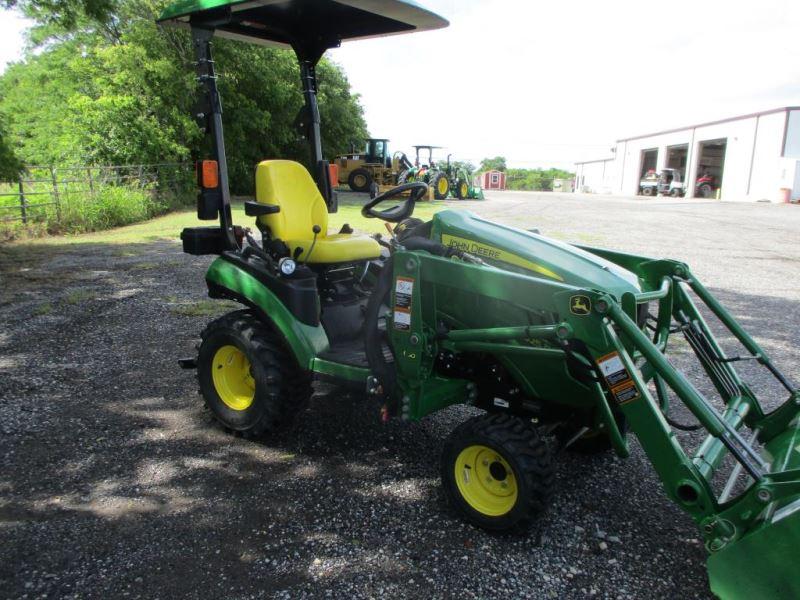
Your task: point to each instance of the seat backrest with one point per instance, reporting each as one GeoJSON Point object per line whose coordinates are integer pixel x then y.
{"type": "Point", "coordinates": [289, 185]}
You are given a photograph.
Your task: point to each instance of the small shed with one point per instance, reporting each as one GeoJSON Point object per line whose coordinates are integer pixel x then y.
{"type": "Point", "coordinates": [493, 180]}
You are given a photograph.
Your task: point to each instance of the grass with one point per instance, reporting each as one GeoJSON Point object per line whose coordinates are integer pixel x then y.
{"type": "Point", "coordinates": [169, 226]}
{"type": "Point", "coordinates": [203, 308]}
{"type": "Point", "coordinates": [79, 296]}
{"type": "Point", "coordinates": [43, 309]}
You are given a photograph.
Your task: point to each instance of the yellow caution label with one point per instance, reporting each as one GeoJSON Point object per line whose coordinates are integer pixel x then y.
{"type": "Point", "coordinates": [491, 253]}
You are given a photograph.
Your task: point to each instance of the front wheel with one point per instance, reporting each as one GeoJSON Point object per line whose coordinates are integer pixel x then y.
{"type": "Point", "coordinates": [462, 190]}
{"type": "Point", "coordinates": [440, 185]}
{"type": "Point", "coordinates": [497, 472]}
{"type": "Point", "coordinates": [249, 381]}
{"type": "Point", "coordinates": [360, 180]}
{"type": "Point", "coordinates": [705, 191]}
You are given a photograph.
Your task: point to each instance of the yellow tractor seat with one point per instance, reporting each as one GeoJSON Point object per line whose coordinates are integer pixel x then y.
{"type": "Point", "coordinates": [288, 184]}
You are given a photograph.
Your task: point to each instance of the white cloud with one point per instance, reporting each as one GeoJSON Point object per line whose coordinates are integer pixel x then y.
{"type": "Point", "coordinates": [12, 42]}
{"type": "Point", "coordinates": [550, 83]}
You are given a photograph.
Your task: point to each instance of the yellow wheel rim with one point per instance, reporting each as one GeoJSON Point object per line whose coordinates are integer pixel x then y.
{"type": "Point", "coordinates": [232, 378]}
{"type": "Point", "coordinates": [360, 181]}
{"type": "Point", "coordinates": [464, 190]}
{"type": "Point", "coordinates": [486, 481]}
{"type": "Point", "coordinates": [442, 186]}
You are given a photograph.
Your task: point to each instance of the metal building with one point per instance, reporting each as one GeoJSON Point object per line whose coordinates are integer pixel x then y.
{"type": "Point", "coordinates": [750, 158]}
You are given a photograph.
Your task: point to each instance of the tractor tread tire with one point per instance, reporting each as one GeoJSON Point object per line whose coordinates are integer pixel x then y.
{"type": "Point", "coordinates": [351, 180]}
{"type": "Point", "coordinates": [283, 389]}
{"type": "Point", "coordinates": [527, 452]}
{"type": "Point", "coordinates": [461, 194]}
{"type": "Point", "coordinates": [433, 180]}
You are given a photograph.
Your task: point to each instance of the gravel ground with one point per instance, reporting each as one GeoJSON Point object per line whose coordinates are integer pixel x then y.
{"type": "Point", "coordinates": [115, 483]}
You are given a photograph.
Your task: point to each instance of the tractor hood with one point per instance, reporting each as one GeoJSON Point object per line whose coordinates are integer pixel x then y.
{"type": "Point", "coordinates": [532, 254]}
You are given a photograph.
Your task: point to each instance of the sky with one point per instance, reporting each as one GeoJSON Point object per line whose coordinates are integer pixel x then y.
{"type": "Point", "coordinates": [547, 84]}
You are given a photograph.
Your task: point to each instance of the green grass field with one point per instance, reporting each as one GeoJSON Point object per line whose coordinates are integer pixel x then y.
{"type": "Point", "coordinates": [169, 226]}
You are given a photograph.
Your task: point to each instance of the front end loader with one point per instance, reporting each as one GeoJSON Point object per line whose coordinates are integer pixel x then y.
{"type": "Point", "coordinates": [548, 340]}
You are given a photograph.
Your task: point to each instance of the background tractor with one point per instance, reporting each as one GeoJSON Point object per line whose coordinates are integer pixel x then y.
{"type": "Point", "coordinates": [460, 182]}
{"type": "Point", "coordinates": [427, 171]}
{"type": "Point", "coordinates": [546, 339]}
{"type": "Point", "coordinates": [374, 164]}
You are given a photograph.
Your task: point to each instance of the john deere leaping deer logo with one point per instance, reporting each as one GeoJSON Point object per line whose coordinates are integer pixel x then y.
{"type": "Point", "coordinates": [580, 305]}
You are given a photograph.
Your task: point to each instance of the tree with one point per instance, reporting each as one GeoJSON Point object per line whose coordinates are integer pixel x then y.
{"type": "Point", "coordinates": [122, 91]}
{"type": "Point", "coordinates": [10, 167]}
{"type": "Point", "coordinates": [498, 163]}
{"type": "Point", "coordinates": [64, 12]}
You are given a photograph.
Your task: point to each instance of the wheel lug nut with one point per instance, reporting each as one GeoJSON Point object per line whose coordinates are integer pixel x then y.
{"type": "Point", "coordinates": [485, 462]}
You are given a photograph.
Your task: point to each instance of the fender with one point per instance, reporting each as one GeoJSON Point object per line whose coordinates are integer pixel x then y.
{"type": "Point", "coordinates": [226, 280]}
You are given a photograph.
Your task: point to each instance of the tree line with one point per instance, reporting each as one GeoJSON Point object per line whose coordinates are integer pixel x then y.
{"type": "Point", "coordinates": [103, 84]}
{"type": "Point", "coordinates": [525, 179]}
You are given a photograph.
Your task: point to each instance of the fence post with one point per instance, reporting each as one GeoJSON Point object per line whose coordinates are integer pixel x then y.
{"type": "Point", "coordinates": [91, 182]}
{"type": "Point", "coordinates": [23, 203]}
{"type": "Point", "coordinates": [56, 197]}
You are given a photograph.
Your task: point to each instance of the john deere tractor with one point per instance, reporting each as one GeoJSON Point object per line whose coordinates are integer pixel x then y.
{"type": "Point", "coordinates": [549, 340]}
{"type": "Point", "coordinates": [427, 171]}
{"type": "Point", "coordinates": [458, 180]}
{"type": "Point", "coordinates": [360, 170]}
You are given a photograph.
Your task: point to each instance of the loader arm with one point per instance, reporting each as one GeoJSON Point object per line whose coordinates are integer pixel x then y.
{"type": "Point", "coordinates": [626, 362]}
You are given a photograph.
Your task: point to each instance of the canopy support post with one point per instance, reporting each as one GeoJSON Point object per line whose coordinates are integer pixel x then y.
{"type": "Point", "coordinates": [206, 77]}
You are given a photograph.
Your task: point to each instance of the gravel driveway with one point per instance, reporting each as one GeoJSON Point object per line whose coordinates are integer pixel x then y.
{"type": "Point", "coordinates": [115, 483]}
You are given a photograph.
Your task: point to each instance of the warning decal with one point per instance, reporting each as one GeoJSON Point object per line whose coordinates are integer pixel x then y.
{"type": "Point", "coordinates": [403, 294]}
{"type": "Point", "coordinates": [619, 380]}
{"type": "Point", "coordinates": [402, 319]}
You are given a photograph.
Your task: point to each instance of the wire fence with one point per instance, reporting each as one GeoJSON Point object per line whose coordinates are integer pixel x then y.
{"type": "Point", "coordinates": [64, 197]}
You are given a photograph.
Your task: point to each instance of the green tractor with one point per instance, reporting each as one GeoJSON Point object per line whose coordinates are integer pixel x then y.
{"type": "Point", "coordinates": [549, 340]}
{"type": "Point", "coordinates": [458, 179]}
{"type": "Point", "coordinates": [427, 172]}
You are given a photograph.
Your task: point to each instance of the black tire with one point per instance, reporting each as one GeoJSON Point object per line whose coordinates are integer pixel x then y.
{"type": "Point", "coordinates": [648, 190]}
{"type": "Point", "coordinates": [360, 180]}
{"type": "Point", "coordinates": [705, 191]}
{"type": "Point", "coordinates": [527, 455]}
{"type": "Point", "coordinates": [462, 190]}
{"type": "Point", "coordinates": [675, 193]}
{"type": "Point", "coordinates": [435, 180]}
{"type": "Point", "coordinates": [281, 388]}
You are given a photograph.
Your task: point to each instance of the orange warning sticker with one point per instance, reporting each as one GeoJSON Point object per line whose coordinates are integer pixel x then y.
{"type": "Point", "coordinates": [618, 378]}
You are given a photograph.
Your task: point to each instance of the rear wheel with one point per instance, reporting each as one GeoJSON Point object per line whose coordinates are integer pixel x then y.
{"type": "Point", "coordinates": [675, 193]}
{"type": "Point", "coordinates": [648, 191]}
{"type": "Point", "coordinates": [249, 381]}
{"type": "Point", "coordinates": [440, 185]}
{"type": "Point", "coordinates": [360, 180]}
{"type": "Point", "coordinates": [462, 190]}
{"type": "Point", "coordinates": [497, 472]}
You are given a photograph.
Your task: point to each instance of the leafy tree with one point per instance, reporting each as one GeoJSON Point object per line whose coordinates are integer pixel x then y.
{"type": "Point", "coordinates": [535, 179]}
{"type": "Point", "coordinates": [498, 163]}
{"type": "Point", "coordinates": [466, 165]}
{"type": "Point", "coordinates": [122, 91]}
{"type": "Point", "coordinates": [64, 12]}
{"type": "Point", "coordinates": [10, 167]}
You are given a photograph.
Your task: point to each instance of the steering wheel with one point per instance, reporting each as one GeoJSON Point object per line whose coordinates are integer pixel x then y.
{"type": "Point", "coordinates": [401, 211]}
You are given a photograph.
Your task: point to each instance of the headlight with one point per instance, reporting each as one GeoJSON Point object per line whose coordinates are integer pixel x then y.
{"type": "Point", "coordinates": [287, 266]}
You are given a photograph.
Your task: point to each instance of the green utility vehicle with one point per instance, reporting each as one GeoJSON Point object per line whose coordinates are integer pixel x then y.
{"type": "Point", "coordinates": [549, 339]}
